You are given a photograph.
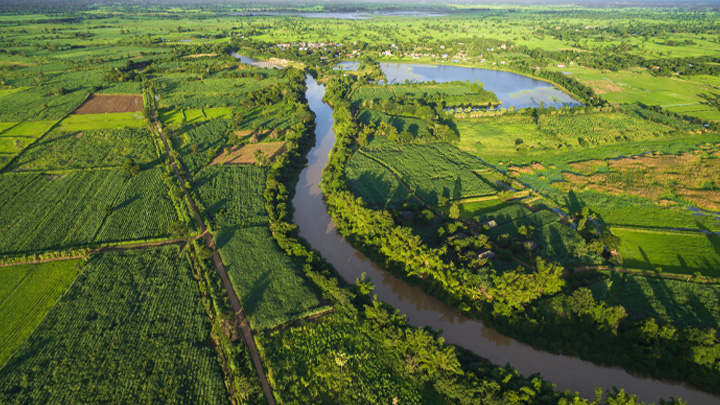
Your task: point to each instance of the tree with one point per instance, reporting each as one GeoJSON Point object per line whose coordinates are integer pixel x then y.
{"type": "Point", "coordinates": [130, 167]}
{"type": "Point", "coordinates": [454, 212]}
{"type": "Point", "coordinates": [260, 157]}
{"type": "Point", "coordinates": [19, 144]}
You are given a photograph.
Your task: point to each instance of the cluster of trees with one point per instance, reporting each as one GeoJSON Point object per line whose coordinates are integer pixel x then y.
{"type": "Point", "coordinates": [513, 300]}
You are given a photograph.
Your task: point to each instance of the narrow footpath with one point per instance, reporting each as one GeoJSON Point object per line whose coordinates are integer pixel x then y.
{"type": "Point", "coordinates": [220, 267]}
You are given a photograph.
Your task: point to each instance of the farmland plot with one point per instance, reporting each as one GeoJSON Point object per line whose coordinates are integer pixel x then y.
{"type": "Point", "coordinates": [132, 327]}
{"type": "Point", "coordinates": [265, 279]}
{"type": "Point", "coordinates": [202, 144]}
{"type": "Point", "coordinates": [27, 292]}
{"type": "Point", "coordinates": [436, 173]}
{"type": "Point", "coordinates": [81, 150]}
{"type": "Point", "coordinates": [374, 184]}
{"type": "Point", "coordinates": [110, 103]}
{"type": "Point", "coordinates": [232, 196]}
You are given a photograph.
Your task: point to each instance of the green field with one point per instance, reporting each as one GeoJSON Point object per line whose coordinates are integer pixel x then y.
{"type": "Point", "coordinates": [27, 292]}
{"type": "Point", "coordinates": [672, 251]}
{"type": "Point", "coordinates": [678, 302]}
{"type": "Point", "coordinates": [41, 212]}
{"type": "Point", "coordinates": [208, 137]}
{"type": "Point", "coordinates": [415, 126]}
{"type": "Point", "coordinates": [232, 195]}
{"type": "Point", "coordinates": [435, 173]}
{"type": "Point", "coordinates": [376, 185]}
{"type": "Point", "coordinates": [267, 282]}
{"type": "Point", "coordinates": [85, 122]}
{"type": "Point", "coordinates": [131, 326]}
{"type": "Point", "coordinates": [444, 94]}
{"type": "Point", "coordinates": [79, 150]}
{"type": "Point", "coordinates": [33, 129]}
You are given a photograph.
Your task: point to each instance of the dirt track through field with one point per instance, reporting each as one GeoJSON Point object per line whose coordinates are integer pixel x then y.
{"type": "Point", "coordinates": [220, 267]}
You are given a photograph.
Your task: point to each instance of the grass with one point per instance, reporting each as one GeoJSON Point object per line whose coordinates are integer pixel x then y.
{"type": "Point", "coordinates": [232, 196]}
{"type": "Point", "coordinates": [267, 282]}
{"type": "Point", "coordinates": [436, 173]}
{"type": "Point", "coordinates": [672, 251]}
{"type": "Point", "coordinates": [33, 129]}
{"type": "Point", "coordinates": [85, 122]}
{"type": "Point", "coordinates": [132, 326]}
{"type": "Point", "coordinates": [27, 292]}
{"type": "Point", "coordinates": [80, 150]}
{"type": "Point", "coordinates": [447, 94]}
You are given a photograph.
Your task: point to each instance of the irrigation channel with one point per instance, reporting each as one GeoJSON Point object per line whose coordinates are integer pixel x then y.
{"type": "Point", "coordinates": [316, 226]}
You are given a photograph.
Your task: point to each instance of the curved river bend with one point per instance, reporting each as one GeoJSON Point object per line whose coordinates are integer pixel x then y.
{"type": "Point", "coordinates": [316, 226]}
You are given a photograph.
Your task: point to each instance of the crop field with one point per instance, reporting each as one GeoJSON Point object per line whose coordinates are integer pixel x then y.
{"type": "Point", "coordinates": [678, 302]}
{"type": "Point", "coordinates": [208, 138]}
{"type": "Point", "coordinates": [98, 104]}
{"type": "Point", "coordinates": [55, 211]}
{"type": "Point", "coordinates": [131, 326]}
{"type": "Point", "coordinates": [245, 154]}
{"type": "Point", "coordinates": [27, 292]}
{"type": "Point", "coordinates": [689, 176]}
{"type": "Point", "coordinates": [537, 219]}
{"type": "Point", "coordinates": [435, 173]}
{"type": "Point", "coordinates": [376, 185]}
{"type": "Point", "coordinates": [32, 129]}
{"type": "Point", "coordinates": [681, 252]}
{"type": "Point", "coordinates": [84, 122]}
{"type": "Point", "coordinates": [177, 92]}
{"type": "Point", "coordinates": [79, 150]}
{"type": "Point", "coordinates": [446, 94]}
{"type": "Point", "coordinates": [267, 282]}
{"type": "Point", "coordinates": [498, 138]}
{"type": "Point", "coordinates": [415, 126]}
{"type": "Point", "coordinates": [45, 101]}
{"type": "Point", "coordinates": [232, 196]}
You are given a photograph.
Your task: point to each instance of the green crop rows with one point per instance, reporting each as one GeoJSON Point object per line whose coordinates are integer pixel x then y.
{"type": "Point", "coordinates": [27, 292]}
{"type": "Point", "coordinates": [132, 327]}
{"type": "Point", "coordinates": [266, 280]}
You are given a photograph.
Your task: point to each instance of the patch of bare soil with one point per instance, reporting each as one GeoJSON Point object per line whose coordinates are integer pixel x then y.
{"type": "Point", "coordinates": [245, 154]}
{"type": "Point", "coordinates": [116, 103]}
{"type": "Point", "coordinates": [200, 55]}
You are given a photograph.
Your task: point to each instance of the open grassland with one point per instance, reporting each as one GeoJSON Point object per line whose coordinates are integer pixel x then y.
{"type": "Point", "coordinates": [91, 148]}
{"type": "Point", "coordinates": [672, 251]}
{"type": "Point", "coordinates": [679, 302]}
{"type": "Point", "coordinates": [132, 326]}
{"type": "Point", "coordinates": [27, 292]}
{"type": "Point", "coordinates": [436, 173]}
{"type": "Point", "coordinates": [267, 282]}
{"type": "Point", "coordinates": [232, 196]}
{"type": "Point", "coordinates": [85, 122]}
{"type": "Point", "coordinates": [40, 212]}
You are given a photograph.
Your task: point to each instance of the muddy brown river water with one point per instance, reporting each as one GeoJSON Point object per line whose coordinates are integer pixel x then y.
{"type": "Point", "coordinates": [316, 226]}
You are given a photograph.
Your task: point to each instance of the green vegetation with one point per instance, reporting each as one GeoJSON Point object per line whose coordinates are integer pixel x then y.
{"type": "Point", "coordinates": [444, 94]}
{"type": "Point", "coordinates": [27, 292]}
{"type": "Point", "coordinates": [131, 326]}
{"type": "Point", "coordinates": [58, 211]}
{"type": "Point", "coordinates": [267, 282]}
{"type": "Point", "coordinates": [85, 122]}
{"type": "Point", "coordinates": [232, 195]}
{"type": "Point", "coordinates": [671, 251]}
{"type": "Point", "coordinates": [436, 173]}
{"type": "Point", "coordinates": [79, 150]}
{"type": "Point", "coordinates": [377, 186]}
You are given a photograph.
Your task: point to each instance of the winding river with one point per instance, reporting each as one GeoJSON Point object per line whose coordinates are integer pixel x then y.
{"type": "Point", "coordinates": [316, 226]}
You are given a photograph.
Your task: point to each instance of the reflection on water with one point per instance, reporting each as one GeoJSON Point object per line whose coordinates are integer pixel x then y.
{"type": "Point", "coordinates": [315, 225]}
{"type": "Point", "coordinates": [511, 88]}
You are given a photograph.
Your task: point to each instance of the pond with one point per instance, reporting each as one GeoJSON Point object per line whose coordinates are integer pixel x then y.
{"type": "Point", "coordinates": [511, 88]}
{"type": "Point", "coordinates": [347, 66]}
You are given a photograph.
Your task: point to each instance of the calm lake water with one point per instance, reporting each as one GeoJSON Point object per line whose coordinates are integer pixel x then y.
{"type": "Point", "coordinates": [316, 226]}
{"type": "Point", "coordinates": [364, 15]}
{"type": "Point", "coordinates": [347, 66]}
{"type": "Point", "coordinates": [511, 88]}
